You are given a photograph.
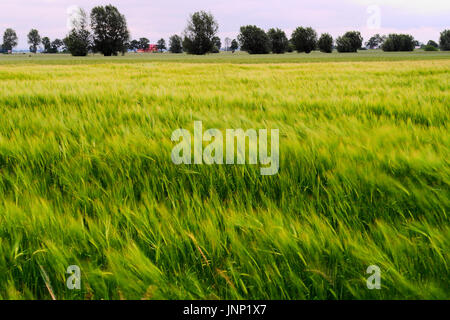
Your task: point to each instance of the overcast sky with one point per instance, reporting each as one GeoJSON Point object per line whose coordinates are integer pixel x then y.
{"type": "Point", "coordinates": [155, 19]}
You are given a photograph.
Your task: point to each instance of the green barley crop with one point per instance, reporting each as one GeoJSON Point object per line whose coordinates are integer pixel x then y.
{"type": "Point", "coordinates": [86, 179]}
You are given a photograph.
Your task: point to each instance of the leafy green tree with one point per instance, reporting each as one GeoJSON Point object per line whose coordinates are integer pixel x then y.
{"type": "Point", "coordinates": [344, 44]}
{"type": "Point", "coordinates": [56, 45]}
{"type": "Point", "coordinates": [351, 41]}
{"type": "Point", "coordinates": [254, 40]}
{"type": "Point", "coordinates": [432, 43]}
{"type": "Point", "coordinates": [278, 40]}
{"type": "Point", "coordinates": [234, 45]}
{"type": "Point", "coordinates": [430, 48]}
{"type": "Point", "coordinates": [133, 45]}
{"type": "Point", "coordinates": [399, 42]}
{"type": "Point", "coordinates": [175, 44]}
{"type": "Point", "coordinates": [355, 38]}
{"type": "Point", "coordinates": [304, 39]}
{"type": "Point", "coordinates": [290, 47]}
{"type": "Point", "coordinates": [325, 43]}
{"type": "Point", "coordinates": [217, 45]}
{"type": "Point", "coordinates": [144, 43]}
{"type": "Point", "coordinates": [200, 32]}
{"type": "Point", "coordinates": [79, 41]}
{"type": "Point", "coordinates": [161, 45]}
{"type": "Point", "coordinates": [444, 40]}
{"type": "Point", "coordinates": [47, 44]}
{"type": "Point", "coordinates": [125, 47]}
{"type": "Point", "coordinates": [110, 30]}
{"type": "Point", "coordinates": [51, 47]}
{"type": "Point", "coordinates": [10, 40]}
{"type": "Point", "coordinates": [375, 41]}
{"type": "Point", "coordinates": [34, 39]}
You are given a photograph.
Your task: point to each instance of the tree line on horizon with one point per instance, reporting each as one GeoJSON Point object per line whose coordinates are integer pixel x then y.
{"type": "Point", "coordinates": [107, 33]}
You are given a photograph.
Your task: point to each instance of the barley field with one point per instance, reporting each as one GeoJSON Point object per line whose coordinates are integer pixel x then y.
{"type": "Point", "coordinates": [86, 177]}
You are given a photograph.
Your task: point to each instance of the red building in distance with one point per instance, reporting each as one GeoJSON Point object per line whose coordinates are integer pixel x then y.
{"type": "Point", "coordinates": [151, 48]}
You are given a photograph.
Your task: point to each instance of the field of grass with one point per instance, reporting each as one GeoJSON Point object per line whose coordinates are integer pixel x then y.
{"type": "Point", "coordinates": [227, 57]}
{"type": "Point", "coordinates": [86, 177]}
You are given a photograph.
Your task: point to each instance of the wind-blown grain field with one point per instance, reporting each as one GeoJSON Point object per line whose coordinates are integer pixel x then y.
{"type": "Point", "coordinates": [86, 179]}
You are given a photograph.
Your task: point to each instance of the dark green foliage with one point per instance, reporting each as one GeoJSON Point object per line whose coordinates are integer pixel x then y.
{"type": "Point", "coordinates": [110, 30]}
{"type": "Point", "coordinates": [47, 44]}
{"type": "Point", "coordinates": [161, 45]}
{"type": "Point", "coordinates": [290, 47]}
{"type": "Point", "coordinates": [351, 41]}
{"type": "Point", "coordinates": [278, 40]}
{"type": "Point", "coordinates": [51, 47]}
{"type": "Point", "coordinates": [399, 42]}
{"type": "Point", "coordinates": [134, 45]}
{"type": "Point", "coordinates": [9, 40]}
{"type": "Point", "coordinates": [200, 32]}
{"type": "Point", "coordinates": [325, 43]}
{"type": "Point", "coordinates": [175, 44]}
{"type": "Point", "coordinates": [78, 42]}
{"type": "Point", "coordinates": [234, 45]}
{"type": "Point", "coordinates": [375, 41]}
{"type": "Point", "coordinates": [217, 45]}
{"type": "Point", "coordinates": [57, 44]}
{"type": "Point", "coordinates": [432, 43]}
{"type": "Point", "coordinates": [254, 40]}
{"type": "Point", "coordinates": [444, 40]}
{"type": "Point", "coordinates": [34, 39]}
{"type": "Point", "coordinates": [143, 43]}
{"type": "Point", "coordinates": [344, 44]}
{"type": "Point", "coordinates": [304, 39]}
{"type": "Point", "coordinates": [430, 48]}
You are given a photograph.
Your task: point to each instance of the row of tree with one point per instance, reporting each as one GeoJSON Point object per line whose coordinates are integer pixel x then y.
{"type": "Point", "coordinates": [200, 36]}
{"type": "Point", "coordinates": [10, 41]}
{"type": "Point", "coordinates": [255, 41]}
{"type": "Point", "coordinates": [107, 33]}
